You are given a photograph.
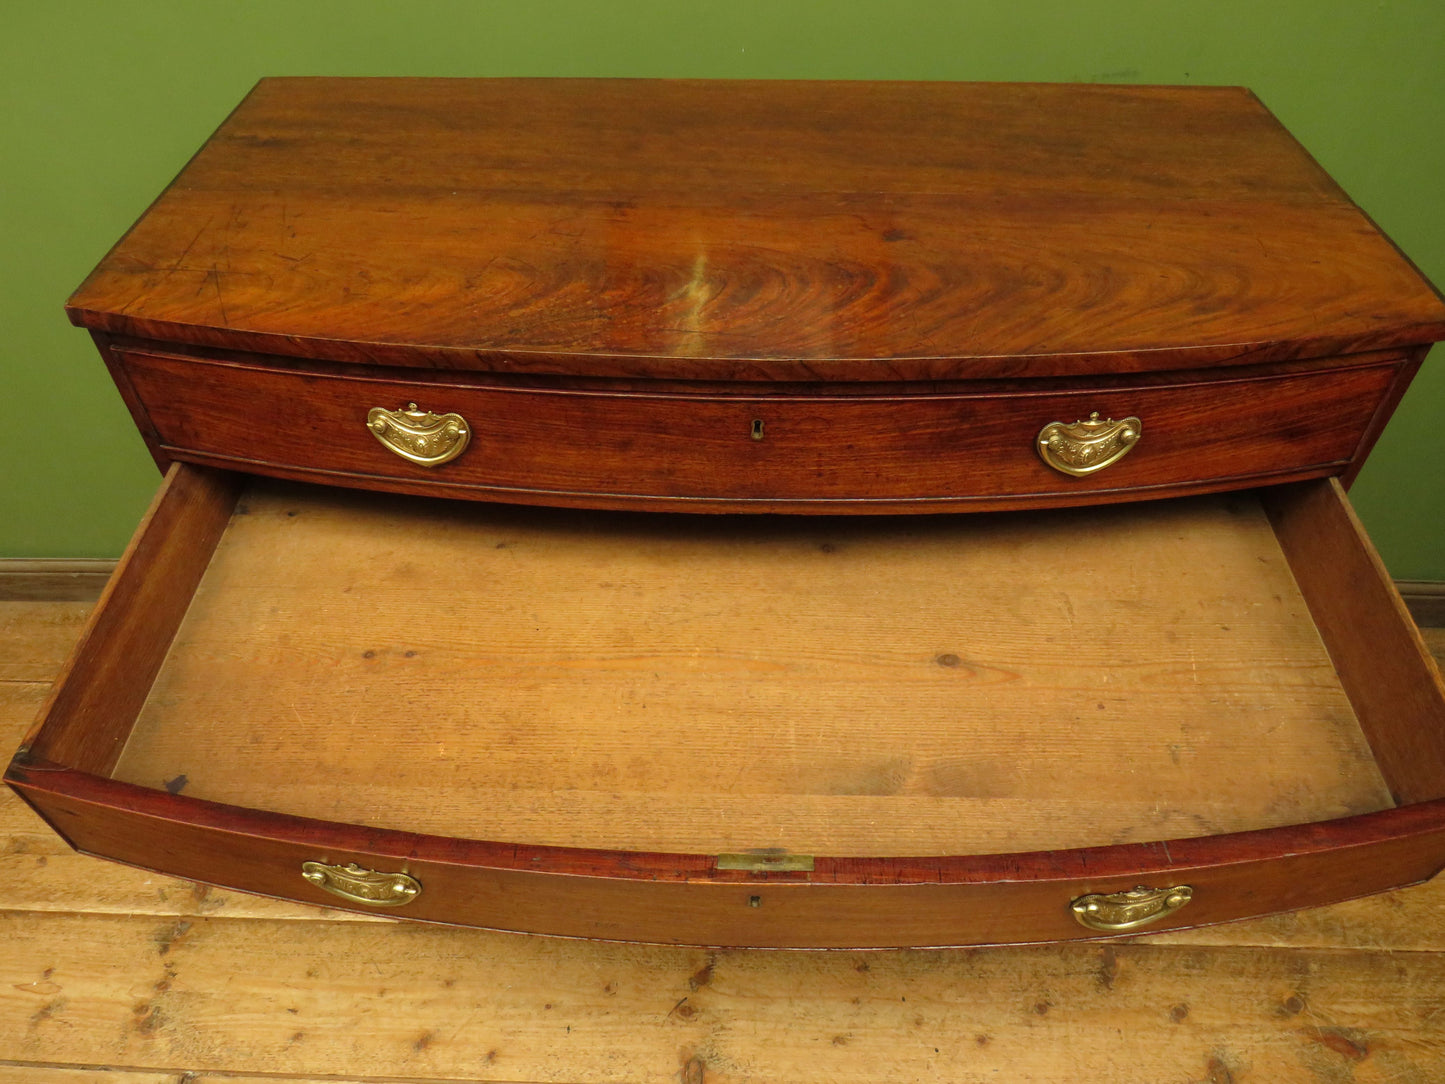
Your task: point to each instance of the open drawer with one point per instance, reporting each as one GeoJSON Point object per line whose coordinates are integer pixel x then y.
{"type": "Point", "coordinates": [759, 731]}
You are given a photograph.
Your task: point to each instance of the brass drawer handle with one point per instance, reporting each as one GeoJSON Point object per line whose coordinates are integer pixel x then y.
{"type": "Point", "coordinates": [1120, 911]}
{"type": "Point", "coordinates": [358, 885]}
{"type": "Point", "coordinates": [419, 435]}
{"type": "Point", "coordinates": [1087, 446]}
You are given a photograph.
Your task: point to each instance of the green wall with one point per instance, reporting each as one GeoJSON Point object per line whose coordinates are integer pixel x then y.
{"type": "Point", "coordinates": [104, 101]}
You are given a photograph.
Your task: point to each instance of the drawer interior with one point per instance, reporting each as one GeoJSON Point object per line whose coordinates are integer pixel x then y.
{"type": "Point", "coordinates": [855, 686]}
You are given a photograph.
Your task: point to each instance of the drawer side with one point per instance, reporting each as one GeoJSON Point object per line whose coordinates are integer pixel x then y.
{"type": "Point", "coordinates": [1389, 673]}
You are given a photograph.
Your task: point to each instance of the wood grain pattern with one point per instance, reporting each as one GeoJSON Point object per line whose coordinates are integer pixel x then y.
{"type": "Point", "coordinates": [830, 688]}
{"type": "Point", "coordinates": [906, 451]}
{"type": "Point", "coordinates": [138, 411]}
{"type": "Point", "coordinates": [44, 633]}
{"type": "Point", "coordinates": [654, 895]}
{"type": "Point", "coordinates": [682, 899]}
{"type": "Point", "coordinates": [392, 1002]}
{"type": "Point", "coordinates": [112, 667]}
{"type": "Point", "coordinates": [1395, 685]}
{"type": "Point", "coordinates": [758, 231]}
{"type": "Point", "coordinates": [38, 870]}
{"type": "Point", "coordinates": [99, 982]}
{"type": "Point", "coordinates": [1383, 411]}
{"type": "Point", "coordinates": [39, 873]}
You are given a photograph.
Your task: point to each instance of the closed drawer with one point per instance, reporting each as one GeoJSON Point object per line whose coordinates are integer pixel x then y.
{"type": "Point", "coordinates": [776, 732]}
{"type": "Point", "coordinates": [819, 452]}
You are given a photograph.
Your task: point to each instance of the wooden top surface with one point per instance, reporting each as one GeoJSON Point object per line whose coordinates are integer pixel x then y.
{"type": "Point", "coordinates": [758, 230]}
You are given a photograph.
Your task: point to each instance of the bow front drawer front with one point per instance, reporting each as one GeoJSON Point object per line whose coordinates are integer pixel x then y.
{"type": "Point", "coordinates": [735, 448]}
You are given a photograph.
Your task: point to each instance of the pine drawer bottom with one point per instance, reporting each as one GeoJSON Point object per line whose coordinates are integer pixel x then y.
{"type": "Point", "coordinates": [758, 731]}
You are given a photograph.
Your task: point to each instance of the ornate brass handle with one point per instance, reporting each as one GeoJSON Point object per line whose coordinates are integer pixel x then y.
{"type": "Point", "coordinates": [1121, 911]}
{"type": "Point", "coordinates": [1087, 446]}
{"type": "Point", "coordinates": [352, 882]}
{"type": "Point", "coordinates": [419, 435]}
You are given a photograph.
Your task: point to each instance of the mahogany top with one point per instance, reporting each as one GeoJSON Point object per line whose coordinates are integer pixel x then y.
{"type": "Point", "coordinates": [758, 230]}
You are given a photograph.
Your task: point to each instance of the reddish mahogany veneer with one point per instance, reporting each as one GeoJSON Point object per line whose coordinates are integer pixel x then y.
{"type": "Point", "coordinates": [843, 901]}
{"type": "Point", "coordinates": [699, 449]}
{"type": "Point", "coordinates": [758, 231]}
{"type": "Point", "coordinates": [752, 296]}
{"type": "Point", "coordinates": [672, 898]}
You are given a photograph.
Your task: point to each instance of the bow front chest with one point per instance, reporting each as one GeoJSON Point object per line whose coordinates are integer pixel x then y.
{"type": "Point", "coordinates": [773, 514]}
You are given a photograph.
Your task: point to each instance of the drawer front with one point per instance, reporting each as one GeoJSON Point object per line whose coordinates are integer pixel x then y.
{"type": "Point", "coordinates": [1006, 899]}
{"type": "Point", "coordinates": [835, 452]}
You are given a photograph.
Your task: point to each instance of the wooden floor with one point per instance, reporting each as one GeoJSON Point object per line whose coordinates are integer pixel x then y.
{"type": "Point", "coordinates": [115, 974]}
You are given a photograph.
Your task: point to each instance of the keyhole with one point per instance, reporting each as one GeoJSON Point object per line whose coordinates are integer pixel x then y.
{"type": "Point", "coordinates": [757, 433]}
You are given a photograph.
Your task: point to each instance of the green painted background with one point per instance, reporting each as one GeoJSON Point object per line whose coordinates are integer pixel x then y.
{"type": "Point", "coordinates": [104, 101]}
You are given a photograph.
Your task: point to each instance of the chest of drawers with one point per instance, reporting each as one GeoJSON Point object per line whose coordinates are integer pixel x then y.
{"type": "Point", "coordinates": [778, 514]}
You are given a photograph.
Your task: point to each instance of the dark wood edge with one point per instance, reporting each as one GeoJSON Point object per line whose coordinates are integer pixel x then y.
{"type": "Point", "coordinates": [1383, 412]}
{"type": "Point", "coordinates": [1425, 599]}
{"type": "Point", "coordinates": [1386, 670]}
{"type": "Point", "coordinates": [628, 502]}
{"type": "Point", "coordinates": [715, 390]}
{"type": "Point", "coordinates": [102, 686]}
{"type": "Point", "coordinates": [115, 364]}
{"type": "Point", "coordinates": [543, 362]}
{"type": "Point", "coordinates": [1119, 862]}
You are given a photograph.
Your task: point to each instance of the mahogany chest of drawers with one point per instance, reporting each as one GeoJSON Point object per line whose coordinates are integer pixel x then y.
{"type": "Point", "coordinates": [775, 514]}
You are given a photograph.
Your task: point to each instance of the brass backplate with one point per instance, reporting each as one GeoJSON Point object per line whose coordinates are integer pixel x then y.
{"type": "Point", "coordinates": [420, 436]}
{"type": "Point", "coordinates": [359, 885]}
{"type": "Point", "coordinates": [1086, 446]}
{"type": "Point", "coordinates": [1120, 911]}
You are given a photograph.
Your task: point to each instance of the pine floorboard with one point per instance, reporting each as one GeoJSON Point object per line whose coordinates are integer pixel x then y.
{"type": "Point", "coordinates": [114, 974]}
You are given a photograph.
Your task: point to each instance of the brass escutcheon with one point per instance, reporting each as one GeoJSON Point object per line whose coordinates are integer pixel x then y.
{"type": "Point", "coordinates": [419, 435]}
{"type": "Point", "coordinates": [352, 882]}
{"type": "Point", "coordinates": [1087, 446]}
{"type": "Point", "coordinates": [1119, 911]}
